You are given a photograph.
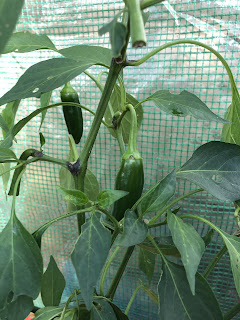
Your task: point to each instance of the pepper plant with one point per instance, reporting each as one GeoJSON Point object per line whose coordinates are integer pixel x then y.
{"type": "Point", "coordinates": [113, 219]}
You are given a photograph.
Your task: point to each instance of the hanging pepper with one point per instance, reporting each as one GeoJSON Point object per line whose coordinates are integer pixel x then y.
{"type": "Point", "coordinates": [131, 175]}
{"type": "Point", "coordinates": [72, 114]}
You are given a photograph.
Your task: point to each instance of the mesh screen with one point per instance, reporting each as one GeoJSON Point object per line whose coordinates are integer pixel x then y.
{"type": "Point", "coordinates": [164, 141]}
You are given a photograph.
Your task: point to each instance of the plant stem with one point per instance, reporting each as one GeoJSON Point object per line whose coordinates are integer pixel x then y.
{"type": "Point", "coordinates": [137, 29]}
{"type": "Point", "coordinates": [214, 262]}
{"type": "Point", "coordinates": [132, 298]}
{"type": "Point", "coordinates": [197, 43]}
{"type": "Point", "coordinates": [118, 276]}
{"type": "Point", "coordinates": [103, 277]}
{"type": "Point", "coordinates": [232, 312]}
{"type": "Point", "coordinates": [149, 3]}
{"type": "Point", "coordinates": [169, 205]}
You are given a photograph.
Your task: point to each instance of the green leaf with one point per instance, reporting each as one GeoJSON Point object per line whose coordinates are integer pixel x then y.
{"type": "Point", "coordinates": [18, 309]}
{"type": "Point", "coordinates": [42, 139]}
{"type": "Point", "coordinates": [27, 41]}
{"type": "Point", "coordinates": [77, 197]}
{"type": "Point", "coordinates": [157, 197]}
{"type": "Point", "coordinates": [3, 125]}
{"type": "Point", "coordinates": [91, 54]}
{"type": "Point", "coordinates": [44, 101]}
{"type": "Point", "coordinates": [91, 186]}
{"type": "Point", "coordinates": [215, 166]}
{"type": "Point", "coordinates": [190, 245]}
{"type": "Point", "coordinates": [134, 230]}
{"type": "Point", "coordinates": [165, 244]}
{"type": "Point", "coordinates": [102, 310]}
{"type": "Point", "coordinates": [72, 314]}
{"type": "Point", "coordinates": [126, 121]}
{"type": "Point", "coordinates": [108, 197]}
{"type": "Point", "coordinates": [9, 12]}
{"type": "Point", "coordinates": [152, 295]}
{"type": "Point", "coordinates": [118, 35]}
{"type": "Point", "coordinates": [146, 263]}
{"type": "Point", "coordinates": [53, 284]}
{"type": "Point", "coordinates": [233, 245]}
{"type": "Point", "coordinates": [183, 104]}
{"type": "Point", "coordinates": [9, 114]}
{"type": "Point", "coordinates": [176, 299]}
{"type": "Point", "coordinates": [108, 26]}
{"type": "Point", "coordinates": [48, 313]}
{"type": "Point", "coordinates": [208, 237]}
{"type": "Point", "coordinates": [4, 167]}
{"type": "Point", "coordinates": [20, 263]}
{"type": "Point", "coordinates": [231, 132]}
{"type": "Point", "coordinates": [43, 77]}
{"type": "Point", "coordinates": [119, 314]}
{"type": "Point", "coordinates": [6, 155]}
{"type": "Point", "coordinates": [89, 256]}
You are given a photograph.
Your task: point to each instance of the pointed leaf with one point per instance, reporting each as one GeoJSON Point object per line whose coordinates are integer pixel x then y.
{"type": "Point", "coordinates": [91, 54]}
{"type": "Point", "coordinates": [27, 41]}
{"type": "Point", "coordinates": [9, 114]}
{"type": "Point", "coordinates": [48, 313]}
{"type": "Point", "coordinates": [20, 263]}
{"type": "Point", "coordinates": [157, 197]}
{"type": "Point", "coordinates": [146, 263]}
{"type": "Point", "coordinates": [43, 77]}
{"type": "Point", "coordinates": [9, 12]}
{"type": "Point", "coordinates": [108, 197]}
{"type": "Point", "coordinates": [231, 132]}
{"type": "Point", "coordinates": [134, 230]}
{"type": "Point", "coordinates": [42, 139]}
{"type": "Point", "coordinates": [89, 256]}
{"type": "Point", "coordinates": [119, 314]}
{"type": "Point", "coordinates": [215, 166]}
{"type": "Point", "coordinates": [5, 174]}
{"type": "Point", "coordinates": [6, 155]}
{"type": "Point", "coordinates": [126, 121]}
{"type": "Point", "coordinates": [19, 309]}
{"type": "Point", "coordinates": [44, 101]}
{"type": "Point", "coordinates": [53, 284]}
{"type": "Point", "coordinates": [152, 295]}
{"type": "Point", "coordinates": [76, 197]}
{"type": "Point", "coordinates": [102, 310]}
{"type": "Point", "coordinates": [190, 245]}
{"type": "Point", "coordinates": [176, 300]}
{"type": "Point", "coordinates": [183, 104]}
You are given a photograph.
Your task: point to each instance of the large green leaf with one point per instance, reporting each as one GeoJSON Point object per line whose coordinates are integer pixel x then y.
{"type": "Point", "coordinates": [44, 77]}
{"type": "Point", "coordinates": [19, 309]}
{"type": "Point", "coordinates": [48, 313]}
{"type": "Point", "coordinates": [183, 104]}
{"type": "Point", "coordinates": [146, 263]}
{"type": "Point", "coordinates": [157, 197]}
{"type": "Point", "coordinates": [102, 310]}
{"type": "Point", "coordinates": [215, 166]}
{"type": "Point", "coordinates": [89, 255]}
{"type": "Point", "coordinates": [231, 132]}
{"type": "Point", "coordinates": [20, 263]}
{"type": "Point", "coordinates": [26, 41]}
{"type": "Point", "coordinates": [9, 12]}
{"type": "Point", "coordinates": [92, 54]}
{"type": "Point", "coordinates": [108, 197]}
{"type": "Point", "coordinates": [53, 284]}
{"type": "Point", "coordinates": [126, 121]}
{"type": "Point", "coordinates": [190, 245]}
{"type": "Point", "coordinates": [176, 299]}
{"type": "Point", "coordinates": [134, 230]}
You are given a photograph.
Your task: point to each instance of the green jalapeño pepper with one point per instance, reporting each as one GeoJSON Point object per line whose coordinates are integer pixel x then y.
{"type": "Point", "coordinates": [72, 114]}
{"type": "Point", "coordinates": [131, 175]}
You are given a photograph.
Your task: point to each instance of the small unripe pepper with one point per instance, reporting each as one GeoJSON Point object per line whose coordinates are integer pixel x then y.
{"type": "Point", "coordinates": [131, 175]}
{"type": "Point", "coordinates": [72, 114]}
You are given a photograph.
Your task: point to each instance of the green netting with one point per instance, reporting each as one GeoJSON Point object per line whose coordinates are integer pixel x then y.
{"type": "Point", "coordinates": [164, 141]}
